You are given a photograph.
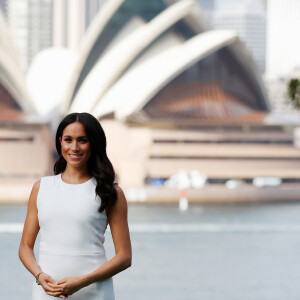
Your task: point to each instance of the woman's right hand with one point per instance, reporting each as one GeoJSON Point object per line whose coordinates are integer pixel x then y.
{"type": "Point", "coordinates": [53, 290]}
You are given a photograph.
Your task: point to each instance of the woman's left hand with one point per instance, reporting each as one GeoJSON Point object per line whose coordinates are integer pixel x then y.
{"type": "Point", "coordinates": [71, 285]}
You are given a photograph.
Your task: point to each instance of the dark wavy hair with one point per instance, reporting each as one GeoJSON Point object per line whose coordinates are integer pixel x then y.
{"type": "Point", "coordinates": [99, 165]}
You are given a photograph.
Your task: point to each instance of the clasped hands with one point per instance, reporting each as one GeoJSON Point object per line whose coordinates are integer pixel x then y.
{"type": "Point", "coordinates": [62, 288]}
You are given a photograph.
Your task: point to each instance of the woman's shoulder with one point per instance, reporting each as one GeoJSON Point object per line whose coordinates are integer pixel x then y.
{"type": "Point", "coordinates": [42, 186]}
{"type": "Point", "coordinates": [36, 185]}
{"type": "Point", "coordinates": [119, 190]}
{"type": "Point", "coordinates": [43, 180]}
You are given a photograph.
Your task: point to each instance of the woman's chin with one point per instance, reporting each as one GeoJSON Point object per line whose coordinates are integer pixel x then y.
{"type": "Point", "coordinates": [75, 163]}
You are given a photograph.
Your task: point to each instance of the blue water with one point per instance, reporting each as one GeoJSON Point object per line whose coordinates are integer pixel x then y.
{"type": "Point", "coordinates": [210, 252]}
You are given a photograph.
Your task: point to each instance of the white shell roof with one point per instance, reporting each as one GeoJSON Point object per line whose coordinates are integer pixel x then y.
{"type": "Point", "coordinates": [47, 76]}
{"type": "Point", "coordinates": [110, 66]}
{"type": "Point", "coordinates": [139, 85]}
{"type": "Point", "coordinates": [125, 78]}
{"type": "Point", "coordinates": [100, 21]}
{"type": "Point", "coordinates": [194, 19]}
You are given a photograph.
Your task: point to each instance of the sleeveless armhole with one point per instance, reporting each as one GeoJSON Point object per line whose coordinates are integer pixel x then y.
{"type": "Point", "coordinates": [105, 212]}
{"type": "Point", "coordinates": [39, 193]}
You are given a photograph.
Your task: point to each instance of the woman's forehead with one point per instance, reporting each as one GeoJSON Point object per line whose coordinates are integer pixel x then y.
{"type": "Point", "coordinates": [74, 129]}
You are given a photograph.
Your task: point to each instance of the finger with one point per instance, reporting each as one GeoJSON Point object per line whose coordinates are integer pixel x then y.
{"type": "Point", "coordinates": [61, 281]}
{"type": "Point", "coordinates": [56, 289]}
{"type": "Point", "coordinates": [47, 289]}
{"type": "Point", "coordinates": [55, 286]}
{"type": "Point", "coordinates": [59, 296]}
{"type": "Point", "coordinates": [55, 294]}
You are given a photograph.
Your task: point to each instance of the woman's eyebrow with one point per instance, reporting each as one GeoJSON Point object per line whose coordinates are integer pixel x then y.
{"type": "Point", "coordinates": [69, 136]}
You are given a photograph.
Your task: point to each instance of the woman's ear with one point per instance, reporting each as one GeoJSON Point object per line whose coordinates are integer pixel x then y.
{"type": "Point", "coordinates": [60, 140]}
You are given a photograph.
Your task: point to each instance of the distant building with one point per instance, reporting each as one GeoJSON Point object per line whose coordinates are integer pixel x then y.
{"type": "Point", "coordinates": [218, 75]}
{"type": "Point", "coordinates": [3, 6]}
{"type": "Point", "coordinates": [71, 19]}
{"type": "Point", "coordinates": [153, 72]}
{"type": "Point", "coordinates": [249, 21]}
{"type": "Point", "coordinates": [31, 25]}
{"type": "Point", "coordinates": [283, 44]}
{"type": "Point", "coordinates": [207, 5]}
{"type": "Point", "coordinates": [68, 23]}
{"type": "Point", "coordinates": [91, 9]}
{"type": "Point", "coordinates": [164, 72]}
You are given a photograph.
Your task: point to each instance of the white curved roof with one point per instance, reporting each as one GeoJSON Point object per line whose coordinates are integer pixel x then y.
{"type": "Point", "coordinates": [13, 81]}
{"type": "Point", "coordinates": [195, 21]}
{"type": "Point", "coordinates": [100, 21]}
{"type": "Point", "coordinates": [125, 97]}
{"type": "Point", "coordinates": [125, 78]}
{"type": "Point", "coordinates": [114, 62]}
{"type": "Point", "coordinates": [56, 66]}
{"type": "Point", "coordinates": [161, 44]}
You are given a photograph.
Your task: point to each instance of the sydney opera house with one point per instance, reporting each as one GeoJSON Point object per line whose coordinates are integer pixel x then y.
{"type": "Point", "coordinates": [171, 92]}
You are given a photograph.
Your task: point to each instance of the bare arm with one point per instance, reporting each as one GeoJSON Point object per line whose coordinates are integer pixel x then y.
{"type": "Point", "coordinates": [30, 231]}
{"type": "Point", "coordinates": [26, 254]}
{"type": "Point", "coordinates": [117, 219]}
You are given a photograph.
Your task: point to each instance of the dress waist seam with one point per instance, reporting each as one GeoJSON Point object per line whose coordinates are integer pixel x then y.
{"type": "Point", "coordinates": [70, 253]}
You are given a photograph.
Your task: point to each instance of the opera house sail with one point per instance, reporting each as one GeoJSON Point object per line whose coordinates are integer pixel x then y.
{"type": "Point", "coordinates": [168, 49]}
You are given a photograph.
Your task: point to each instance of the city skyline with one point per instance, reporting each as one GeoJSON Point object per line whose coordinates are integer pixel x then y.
{"type": "Point", "coordinates": [249, 21]}
{"type": "Point", "coordinates": [39, 24]}
{"type": "Point", "coordinates": [30, 23]}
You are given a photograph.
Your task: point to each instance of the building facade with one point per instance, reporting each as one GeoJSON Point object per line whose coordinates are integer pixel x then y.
{"type": "Point", "coordinates": [3, 6]}
{"type": "Point", "coordinates": [249, 21]}
{"type": "Point", "coordinates": [30, 22]}
{"type": "Point", "coordinates": [71, 19]}
{"type": "Point", "coordinates": [155, 71]}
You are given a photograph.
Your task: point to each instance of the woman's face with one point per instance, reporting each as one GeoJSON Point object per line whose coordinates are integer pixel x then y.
{"type": "Point", "coordinates": [75, 146]}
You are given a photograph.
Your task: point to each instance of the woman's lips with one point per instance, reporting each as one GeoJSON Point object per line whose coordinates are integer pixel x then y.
{"type": "Point", "coordinates": [75, 156]}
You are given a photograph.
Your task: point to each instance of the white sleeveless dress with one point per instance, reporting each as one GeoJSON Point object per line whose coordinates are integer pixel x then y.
{"type": "Point", "coordinates": [71, 236]}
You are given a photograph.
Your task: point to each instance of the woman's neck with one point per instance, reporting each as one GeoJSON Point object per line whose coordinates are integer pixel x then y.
{"type": "Point", "coordinates": [76, 175]}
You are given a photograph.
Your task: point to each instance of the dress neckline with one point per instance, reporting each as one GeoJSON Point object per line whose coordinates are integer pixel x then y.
{"type": "Point", "coordinates": [73, 184]}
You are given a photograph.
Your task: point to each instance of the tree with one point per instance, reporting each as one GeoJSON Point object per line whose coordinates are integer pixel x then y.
{"type": "Point", "coordinates": [294, 92]}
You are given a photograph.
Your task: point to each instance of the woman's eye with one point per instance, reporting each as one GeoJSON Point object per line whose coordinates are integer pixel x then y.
{"type": "Point", "coordinates": [83, 141]}
{"type": "Point", "coordinates": [68, 140]}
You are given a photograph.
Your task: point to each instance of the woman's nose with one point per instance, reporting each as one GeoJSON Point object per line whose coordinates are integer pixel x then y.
{"type": "Point", "coordinates": [75, 146]}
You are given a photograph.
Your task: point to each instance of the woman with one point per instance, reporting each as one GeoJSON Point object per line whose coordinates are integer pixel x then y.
{"type": "Point", "coordinates": [71, 210]}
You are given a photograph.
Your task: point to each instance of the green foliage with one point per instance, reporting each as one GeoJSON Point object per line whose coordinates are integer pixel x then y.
{"type": "Point", "coordinates": [294, 92]}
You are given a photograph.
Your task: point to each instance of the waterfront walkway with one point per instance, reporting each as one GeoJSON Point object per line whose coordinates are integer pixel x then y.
{"type": "Point", "coordinates": [17, 190]}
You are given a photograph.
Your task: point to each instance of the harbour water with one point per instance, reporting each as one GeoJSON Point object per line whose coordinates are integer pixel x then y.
{"type": "Point", "coordinates": [210, 252]}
